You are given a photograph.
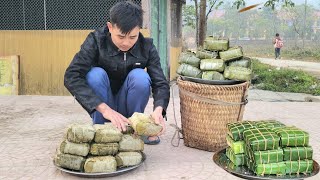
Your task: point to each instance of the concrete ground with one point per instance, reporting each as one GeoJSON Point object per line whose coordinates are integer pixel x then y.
{"type": "Point", "coordinates": [31, 128]}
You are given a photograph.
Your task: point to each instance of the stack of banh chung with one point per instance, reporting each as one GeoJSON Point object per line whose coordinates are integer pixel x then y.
{"type": "Point", "coordinates": [297, 154]}
{"type": "Point", "coordinates": [264, 157]}
{"type": "Point", "coordinates": [235, 141]}
{"type": "Point", "coordinates": [269, 148]}
{"type": "Point", "coordinates": [102, 148]}
{"type": "Point", "coordinates": [216, 61]}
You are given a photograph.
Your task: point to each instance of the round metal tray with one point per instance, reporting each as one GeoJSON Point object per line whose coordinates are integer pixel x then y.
{"type": "Point", "coordinates": [101, 175]}
{"type": "Point", "coordinates": [221, 160]}
{"type": "Point", "coordinates": [211, 82]}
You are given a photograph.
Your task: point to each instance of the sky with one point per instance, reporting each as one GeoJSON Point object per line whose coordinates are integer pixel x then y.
{"type": "Point", "coordinates": [315, 3]}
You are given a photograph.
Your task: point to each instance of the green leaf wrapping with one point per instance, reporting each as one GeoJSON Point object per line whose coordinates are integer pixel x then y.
{"type": "Point", "coordinates": [261, 139]}
{"type": "Point", "coordinates": [189, 58]}
{"type": "Point", "coordinates": [236, 146]}
{"type": "Point", "coordinates": [297, 167]}
{"type": "Point", "coordinates": [236, 129]}
{"type": "Point", "coordinates": [293, 137]}
{"type": "Point", "coordinates": [80, 133]}
{"type": "Point", "coordinates": [188, 70]}
{"type": "Point", "coordinates": [144, 125]}
{"type": "Point", "coordinates": [212, 75]}
{"type": "Point", "coordinates": [234, 167]}
{"type": "Point", "coordinates": [107, 133]}
{"type": "Point", "coordinates": [100, 164]}
{"type": "Point", "coordinates": [267, 169]}
{"type": "Point", "coordinates": [128, 158]}
{"type": "Point", "coordinates": [131, 143]}
{"type": "Point", "coordinates": [69, 161]}
{"type": "Point", "coordinates": [214, 44]}
{"type": "Point", "coordinates": [104, 149]}
{"type": "Point", "coordinates": [297, 153]}
{"type": "Point", "coordinates": [237, 73]}
{"type": "Point", "coordinates": [80, 149]}
{"type": "Point", "coordinates": [269, 124]}
{"type": "Point", "coordinates": [264, 157]}
{"type": "Point", "coordinates": [231, 54]}
{"type": "Point", "coordinates": [212, 65]}
{"type": "Point", "coordinates": [245, 62]}
{"type": "Point", "coordinates": [203, 54]}
{"type": "Point", "coordinates": [237, 159]}
{"type": "Point", "coordinates": [129, 130]}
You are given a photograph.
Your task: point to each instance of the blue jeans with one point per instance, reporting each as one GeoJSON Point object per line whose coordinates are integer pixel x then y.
{"type": "Point", "coordinates": [277, 52]}
{"type": "Point", "coordinates": [132, 97]}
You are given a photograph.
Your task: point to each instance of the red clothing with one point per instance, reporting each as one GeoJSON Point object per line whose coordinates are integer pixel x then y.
{"type": "Point", "coordinates": [278, 42]}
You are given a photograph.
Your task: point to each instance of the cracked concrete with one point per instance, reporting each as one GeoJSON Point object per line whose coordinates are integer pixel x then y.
{"type": "Point", "coordinates": [31, 128]}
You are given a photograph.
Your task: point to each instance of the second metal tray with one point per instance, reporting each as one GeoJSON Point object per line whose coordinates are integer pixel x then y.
{"type": "Point", "coordinates": [224, 162]}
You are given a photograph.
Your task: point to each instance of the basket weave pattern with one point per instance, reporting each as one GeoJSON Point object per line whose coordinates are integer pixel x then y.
{"type": "Point", "coordinates": [203, 122]}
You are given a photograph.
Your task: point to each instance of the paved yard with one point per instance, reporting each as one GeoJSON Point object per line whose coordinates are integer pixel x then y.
{"type": "Point", "coordinates": [31, 128]}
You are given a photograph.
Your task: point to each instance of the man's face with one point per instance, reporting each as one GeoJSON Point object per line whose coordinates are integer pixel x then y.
{"type": "Point", "coordinates": [123, 41]}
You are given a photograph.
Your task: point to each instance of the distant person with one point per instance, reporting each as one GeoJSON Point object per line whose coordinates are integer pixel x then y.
{"type": "Point", "coordinates": [278, 44]}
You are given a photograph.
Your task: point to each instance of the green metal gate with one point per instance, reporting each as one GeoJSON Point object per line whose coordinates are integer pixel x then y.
{"type": "Point", "coordinates": [159, 31]}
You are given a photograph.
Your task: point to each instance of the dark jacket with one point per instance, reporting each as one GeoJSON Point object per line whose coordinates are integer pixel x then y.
{"type": "Point", "coordinates": [98, 50]}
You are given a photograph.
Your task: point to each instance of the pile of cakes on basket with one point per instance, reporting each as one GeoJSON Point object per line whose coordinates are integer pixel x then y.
{"type": "Point", "coordinates": [102, 148]}
{"type": "Point", "coordinates": [217, 61]}
{"type": "Point", "coordinates": [269, 147]}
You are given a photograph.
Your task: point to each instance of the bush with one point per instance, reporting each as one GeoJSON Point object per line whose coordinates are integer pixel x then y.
{"type": "Point", "coordinates": [284, 80]}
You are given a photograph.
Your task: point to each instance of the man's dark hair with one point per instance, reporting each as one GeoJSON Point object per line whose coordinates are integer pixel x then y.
{"type": "Point", "coordinates": [277, 34]}
{"type": "Point", "coordinates": [126, 16]}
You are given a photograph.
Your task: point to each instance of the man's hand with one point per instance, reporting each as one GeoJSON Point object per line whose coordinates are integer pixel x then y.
{"type": "Point", "coordinates": [116, 118]}
{"type": "Point", "coordinates": [158, 118]}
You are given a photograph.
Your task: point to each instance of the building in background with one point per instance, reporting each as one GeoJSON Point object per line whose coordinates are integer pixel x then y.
{"type": "Point", "coordinates": [47, 34]}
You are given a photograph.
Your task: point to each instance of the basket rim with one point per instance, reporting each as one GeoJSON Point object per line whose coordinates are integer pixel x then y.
{"type": "Point", "coordinates": [180, 79]}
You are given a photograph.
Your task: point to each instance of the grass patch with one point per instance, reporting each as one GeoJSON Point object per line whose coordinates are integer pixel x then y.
{"type": "Point", "coordinates": [283, 79]}
{"type": "Point", "coordinates": [302, 54]}
{"type": "Point", "coordinates": [290, 51]}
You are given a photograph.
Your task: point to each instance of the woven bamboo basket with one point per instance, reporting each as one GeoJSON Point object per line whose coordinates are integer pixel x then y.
{"type": "Point", "coordinates": [206, 110]}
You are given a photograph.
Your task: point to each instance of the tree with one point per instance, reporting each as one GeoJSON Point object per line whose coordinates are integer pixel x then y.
{"type": "Point", "coordinates": [237, 4]}
{"type": "Point", "coordinates": [201, 22]}
{"type": "Point", "coordinates": [213, 4]}
{"type": "Point", "coordinates": [297, 19]}
{"type": "Point", "coordinates": [189, 19]}
{"type": "Point", "coordinates": [197, 22]}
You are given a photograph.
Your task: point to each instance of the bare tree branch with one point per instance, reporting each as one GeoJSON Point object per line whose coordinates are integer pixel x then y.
{"type": "Point", "coordinates": [210, 9]}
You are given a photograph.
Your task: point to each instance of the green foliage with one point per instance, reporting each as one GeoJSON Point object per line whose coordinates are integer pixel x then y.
{"type": "Point", "coordinates": [265, 22]}
{"type": "Point", "coordinates": [219, 4]}
{"type": "Point", "coordinates": [284, 80]}
{"type": "Point", "coordinates": [189, 12]}
{"type": "Point", "coordinates": [268, 3]}
{"type": "Point", "coordinates": [273, 3]}
{"type": "Point", "coordinates": [188, 15]}
{"type": "Point", "coordinates": [296, 16]}
{"type": "Point", "coordinates": [215, 3]}
{"type": "Point", "coordinates": [298, 53]}
{"type": "Point", "coordinates": [238, 3]}
{"type": "Point", "coordinates": [311, 52]}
